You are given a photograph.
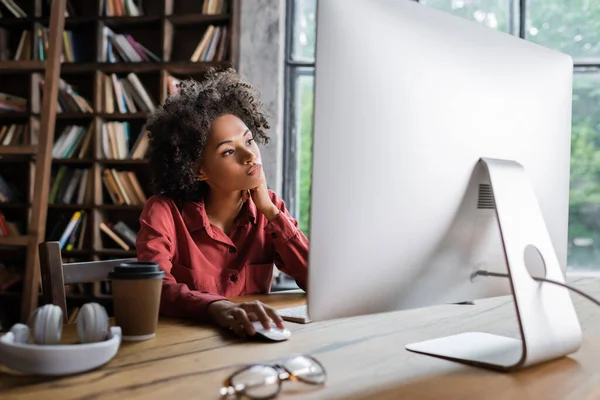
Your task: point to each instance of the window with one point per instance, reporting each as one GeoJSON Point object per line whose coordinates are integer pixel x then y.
{"type": "Point", "coordinates": [300, 64]}
{"type": "Point", "coordinates": [567, 26]}
{"type": "Point", "coordinates": [495, 14]}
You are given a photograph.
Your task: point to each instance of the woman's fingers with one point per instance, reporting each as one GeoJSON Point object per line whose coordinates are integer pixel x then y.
{"type": "Point", "coordinates": [232, 324]}
{"type": "Point", "coordinates": [275, 317]}
{"type": "Point", "coordinates": [265, 314]}
{"type": "Point", "coordinates": [242, 318]}
{"type": "Point", "coordinates": [238, 329]}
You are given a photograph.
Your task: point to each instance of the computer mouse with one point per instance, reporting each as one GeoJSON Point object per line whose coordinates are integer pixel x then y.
{"type": "Point", "coordinates": [275, 333]}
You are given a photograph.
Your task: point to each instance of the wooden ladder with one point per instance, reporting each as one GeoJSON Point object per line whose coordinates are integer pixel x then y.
{"type": "Point", "coordinates": [39, 208]}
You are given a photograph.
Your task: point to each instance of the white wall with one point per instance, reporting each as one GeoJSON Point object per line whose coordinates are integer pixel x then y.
{"type": "Point", "coordinates": [262, 38]}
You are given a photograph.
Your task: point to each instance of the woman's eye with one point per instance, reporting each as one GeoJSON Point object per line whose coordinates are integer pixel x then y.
{"type": "Point", "coordinates": [250, 142]}
{"type": "Point", "coordinates": [228, 153]}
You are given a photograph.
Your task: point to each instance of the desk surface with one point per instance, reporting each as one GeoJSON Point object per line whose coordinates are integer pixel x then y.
{"type": "Point", "coordinates": [363, 356]}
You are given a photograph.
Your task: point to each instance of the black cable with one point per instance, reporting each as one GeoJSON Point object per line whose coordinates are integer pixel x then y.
{"type": "Point", "coordinates": [500, 275]}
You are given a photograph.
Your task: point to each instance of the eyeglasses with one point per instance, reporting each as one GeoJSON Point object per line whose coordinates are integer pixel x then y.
{"type": "Point", "coordinates": [263, 381]}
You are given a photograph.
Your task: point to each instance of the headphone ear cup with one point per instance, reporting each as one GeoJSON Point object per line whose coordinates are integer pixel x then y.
{"type": "Point", "coordinates": [20, 332]}
{"type": "Point", "coordinates": [92, 323]}
{"type": "Point", "coordinates": [47, 324]}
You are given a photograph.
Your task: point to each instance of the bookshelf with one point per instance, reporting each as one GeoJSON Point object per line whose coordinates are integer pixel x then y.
{"type": "Point", "coordinates": [103, 98]}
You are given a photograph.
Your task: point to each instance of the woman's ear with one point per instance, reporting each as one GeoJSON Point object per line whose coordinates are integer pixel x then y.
{"type": "Point", "coordinates": [200, 171]}
{"type": "Point", "coordinates": [202, 175]}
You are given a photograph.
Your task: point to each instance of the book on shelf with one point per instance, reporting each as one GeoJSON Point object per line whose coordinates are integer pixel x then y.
{"type": "Point", "coordinates": [125, 95]}
{"type": "Point", "coordinates": [211, 7]}
{"type": "Point", "coordinates": [124, 48]}
{"type": "Point", "coordinates": [68, 50]}
{"type": "Point", "coordinates": [9, 228]}
{"type": "Point", "coordinates": [69, 231]}
{"type": "Point", "coordinates": [70, 186]}
{"type": "Point", "coordinates": [140, 147]}
{"type": "Point", "coordinates": [16, 135]}
{"type": "Point", "coordinates": [124, 231]}
{"type": "Point", "coordinates": [73, 142]}
{"type": "Point", "coordinates": [109, 229]}
{"type": "Point", "coordinates": [115, 141]}
{"type": "Point", "coordinates": [13, 8]}
{"type": "Point", "coordinates": [71, 228]}
{"type": "Point", "coordinates": [121, 8]}
{"type": "Point", "coordinates": [13, 103]}
{"type": "Point", "coordinates": [123, 187]}
{"type": "Point", "coordinates": [212, 46]}
{"type": "Point", "coordinates": [69, 99]}
{"type": "Point", "coordinates": [24, 48]}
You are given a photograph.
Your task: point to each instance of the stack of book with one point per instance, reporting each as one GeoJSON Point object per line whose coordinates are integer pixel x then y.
{"type": "Point", "coordinates": [211, 7]}
{"type": "Point", "coordinates": [12, 103]}
{"type": "Point", "coordinates": [16, 135]}
{"type": "Point", "coordinates": [23, 49]}
{"type": "Point", "coordinates": [120, 8]}
{"type": "Point", "coordinates": [120, 233]}
{"type": "Point", "coordinates": [124, 48]}
{"type": "Point", "coordinates": [115, 142]}
{"type": "Point", "coordinates": [70, 232]}
{"type": "Point", "coordinates": [127, 95]}
{"type": "Point", "coordinates": [69, 100]}
{"type": "Point", "coordinates": [73, 142]}
{"type": "Point", "coordinates": [68, 50]}
{"type": "Point", "coordinates": [71, 186]}
{"type": "Point", "coordinates": [212, 46]}
{"type": "Point", "coordinates": [123, 187]}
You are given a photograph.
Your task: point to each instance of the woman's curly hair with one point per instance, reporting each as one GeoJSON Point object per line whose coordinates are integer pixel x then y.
{"type": "Point", "coordinates": [179, 128]}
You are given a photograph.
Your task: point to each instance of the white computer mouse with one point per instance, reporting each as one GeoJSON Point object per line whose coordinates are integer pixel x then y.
{"type": "Point", "coordinates": [274, 333]}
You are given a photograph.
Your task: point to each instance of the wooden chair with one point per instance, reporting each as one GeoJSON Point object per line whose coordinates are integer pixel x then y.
{"type": "Point", "coordinates": [55, 274]}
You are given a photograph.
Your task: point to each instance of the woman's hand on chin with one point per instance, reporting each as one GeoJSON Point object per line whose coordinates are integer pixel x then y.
{"type": "Point", "coordinates": [260, 197]}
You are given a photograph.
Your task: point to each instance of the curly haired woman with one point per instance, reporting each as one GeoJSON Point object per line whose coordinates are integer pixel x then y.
{"type": "Point", "coordinates": [211, 224]}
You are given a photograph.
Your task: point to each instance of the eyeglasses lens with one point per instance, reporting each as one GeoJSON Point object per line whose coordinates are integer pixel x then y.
{"type": "Point", "coordinates": [260, 381]}
{"type": "Point", "coordinates": [305, 369]}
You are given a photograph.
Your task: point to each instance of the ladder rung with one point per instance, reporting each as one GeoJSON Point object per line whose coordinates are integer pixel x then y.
{"type": "Point", "coordinates": [18, 150]}
{"type": "Point", "coordinates": [22, 240]}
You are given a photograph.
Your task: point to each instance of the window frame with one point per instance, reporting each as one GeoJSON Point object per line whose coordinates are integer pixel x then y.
{"type": "Point", "coordinates": [294, 68]}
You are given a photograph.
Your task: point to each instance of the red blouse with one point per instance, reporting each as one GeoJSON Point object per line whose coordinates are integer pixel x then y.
{"type": "Point", "coordinates": [202, 264]}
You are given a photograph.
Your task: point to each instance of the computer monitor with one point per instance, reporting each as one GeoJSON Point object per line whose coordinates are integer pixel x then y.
{"type": "Point", "coordinates": [414, 111]}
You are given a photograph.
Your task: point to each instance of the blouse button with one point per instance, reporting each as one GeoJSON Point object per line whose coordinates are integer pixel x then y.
{"type": "Point", "coordinates": [233, 278]}
{"type": "Point", "coordinates": [232, 249]}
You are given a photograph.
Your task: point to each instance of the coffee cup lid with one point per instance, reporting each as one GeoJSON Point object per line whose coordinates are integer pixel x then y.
{"type": "Point", "coordinates": [136, 270]}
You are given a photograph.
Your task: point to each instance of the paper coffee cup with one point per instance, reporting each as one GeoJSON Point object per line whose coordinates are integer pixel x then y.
{"type": "Point", "coordinates": [136, 288]}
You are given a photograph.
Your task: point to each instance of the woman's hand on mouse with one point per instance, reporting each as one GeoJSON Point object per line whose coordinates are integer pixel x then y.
{"type": "Point", "coordinates": [239, 317]}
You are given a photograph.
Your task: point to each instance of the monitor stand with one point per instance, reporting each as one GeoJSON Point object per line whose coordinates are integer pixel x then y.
{"type": "Point", "coordinates": [548, 324]}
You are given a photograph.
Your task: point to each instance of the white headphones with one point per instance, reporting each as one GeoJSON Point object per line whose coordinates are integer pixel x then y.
{"type": "Point", "coordinates": [44, 355]}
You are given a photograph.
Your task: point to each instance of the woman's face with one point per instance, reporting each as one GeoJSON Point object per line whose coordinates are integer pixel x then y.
{"type": "Point", "coordinates": [231, 158]}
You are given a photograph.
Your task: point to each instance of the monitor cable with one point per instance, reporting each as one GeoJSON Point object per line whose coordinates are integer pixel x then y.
{"type": "Point", "coordinates": [538, 279]}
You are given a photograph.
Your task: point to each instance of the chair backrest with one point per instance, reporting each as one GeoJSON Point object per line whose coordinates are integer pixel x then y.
{"type": "Point", "coordinates": [55, 274]}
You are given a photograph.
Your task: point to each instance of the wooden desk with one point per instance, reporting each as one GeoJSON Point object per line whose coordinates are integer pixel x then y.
{"type": "Point", "coordinates": [364, 358]}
